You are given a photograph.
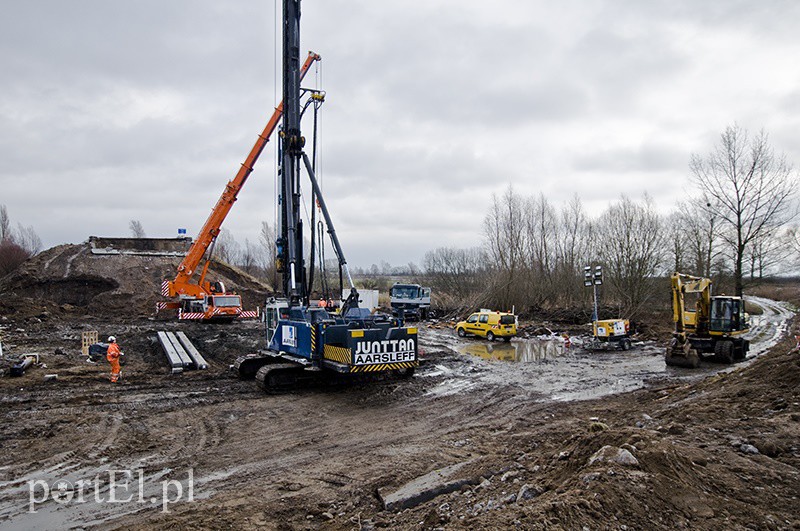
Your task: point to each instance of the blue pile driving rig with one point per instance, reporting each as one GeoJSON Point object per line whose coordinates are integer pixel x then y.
{"type": "Point", "coordinates": [305, 342]}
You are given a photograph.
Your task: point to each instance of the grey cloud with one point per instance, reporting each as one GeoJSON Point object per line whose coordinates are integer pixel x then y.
{"type": "Point", "coordinates": [652, 158]}
{"type": "Point", "coordinates": [432, 107]}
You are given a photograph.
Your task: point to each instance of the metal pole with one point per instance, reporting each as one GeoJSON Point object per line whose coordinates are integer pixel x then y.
{"type": "Point", "coordinates": [594, 317]}
{"type": "Point", "coordinates": [293, 146]}
{"type": "Point", "coordinates": [334, 239]}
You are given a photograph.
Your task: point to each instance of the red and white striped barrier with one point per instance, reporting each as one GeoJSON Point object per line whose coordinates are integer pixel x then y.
{"type": "Point", "coordinates": [190, 315]}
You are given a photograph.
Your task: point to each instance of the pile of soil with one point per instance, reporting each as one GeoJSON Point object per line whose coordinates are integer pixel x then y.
{"type": "Point", "coordinates": [69, 279]}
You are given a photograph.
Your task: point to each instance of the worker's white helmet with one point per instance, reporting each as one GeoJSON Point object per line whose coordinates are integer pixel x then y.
{"type": "Point", "coordinates": [112, 339]}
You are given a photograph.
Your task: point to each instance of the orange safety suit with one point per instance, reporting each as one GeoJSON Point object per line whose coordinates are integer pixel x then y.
{"type": "Point", "coordinates": [112, 356]}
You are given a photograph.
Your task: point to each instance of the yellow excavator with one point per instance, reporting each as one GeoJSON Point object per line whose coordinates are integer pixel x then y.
{"type": "Point", "coordinates": [715, 326]}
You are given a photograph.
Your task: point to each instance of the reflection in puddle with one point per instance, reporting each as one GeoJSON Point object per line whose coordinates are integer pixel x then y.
{"type": "Point", "coordinates": [524, 350]}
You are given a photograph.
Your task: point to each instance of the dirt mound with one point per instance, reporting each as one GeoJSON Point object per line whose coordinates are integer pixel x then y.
{"type": "Point", "coordinates": [706, 455]}
{"type": "Point", "coordinates": [72, 279]}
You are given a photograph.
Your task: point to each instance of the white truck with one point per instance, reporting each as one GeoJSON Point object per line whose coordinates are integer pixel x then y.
{"type": "Point", "coordinates": [410, 301]}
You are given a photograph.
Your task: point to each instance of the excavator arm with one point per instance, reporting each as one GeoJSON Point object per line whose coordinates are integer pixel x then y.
{"type": "Point", "coordinates": [680, 351]}
{"type": "Point", "coordinates": [182, 284]}
{"type": "Point", "coordinates": [698, 318]}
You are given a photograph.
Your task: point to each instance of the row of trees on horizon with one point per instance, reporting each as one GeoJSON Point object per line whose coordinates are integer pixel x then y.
{"type": "Point", "coordinates": [738, 225]}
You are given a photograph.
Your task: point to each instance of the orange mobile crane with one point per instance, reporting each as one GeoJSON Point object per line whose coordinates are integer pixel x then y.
{"type": "Point", "coordinates": [205, 299]}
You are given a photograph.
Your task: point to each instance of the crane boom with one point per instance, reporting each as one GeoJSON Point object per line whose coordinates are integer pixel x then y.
{"type": "Point", "coordinates": [182, 284]}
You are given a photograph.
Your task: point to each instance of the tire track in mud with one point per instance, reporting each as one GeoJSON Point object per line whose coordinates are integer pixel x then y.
{"type": "Point", "coordinates": [113, 426]}
{"type": "Point", "coordinates": [767, 329]}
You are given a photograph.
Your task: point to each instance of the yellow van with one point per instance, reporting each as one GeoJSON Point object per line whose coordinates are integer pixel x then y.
{"type": "Point", "coordinates": [489, 324]}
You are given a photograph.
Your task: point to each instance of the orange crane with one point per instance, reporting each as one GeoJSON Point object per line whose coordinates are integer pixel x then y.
{"type": "Point", "coordinates": [204, 299]}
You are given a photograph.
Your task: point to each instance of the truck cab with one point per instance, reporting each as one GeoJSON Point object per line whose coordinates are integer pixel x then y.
{"type": "Point", "coordinates": [216, 307]}
{"type": "Point", "coordinates": [410, 301]}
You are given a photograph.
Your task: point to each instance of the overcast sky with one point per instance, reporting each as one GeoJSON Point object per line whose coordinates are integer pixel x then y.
{"type": "Point", "coordinates": [116, 110]}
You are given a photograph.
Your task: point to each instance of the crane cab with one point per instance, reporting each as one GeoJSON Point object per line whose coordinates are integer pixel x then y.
{"type": "Point", "coordinates": [214, 307]}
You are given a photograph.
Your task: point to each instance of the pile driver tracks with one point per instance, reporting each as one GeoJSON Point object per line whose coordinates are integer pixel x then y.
{"type": "Point", "coordinates": [275, 376]}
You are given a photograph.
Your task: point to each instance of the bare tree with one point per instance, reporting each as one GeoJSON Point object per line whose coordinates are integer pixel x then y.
{"type": "Point", "coordinates": [539, 250]}
{"type": "Point", "coordinates": [5, 224]}
{"type": "Point", "coordinates": [248, 258]}
{"type": "Point", "coordinates": [136, 229]}
{"type": "Point", "coordinates": [268, 252]}
{"type": "Point", "coordinates": [226, 248]}
{"type": "Point", "coordinates": [699, 227]}
{"type": "Point", "coordinates": [16, 246]}
{"type": "Point", "coordinates": [504, 227]}
{"type": "Point", "coordinates": [632, 250]}
{"type": "Point", "coordinates": [767, 251]}
{"type": "Point", "coordinates": [457, 276]}
{"type": "Point", "coordinates": [574, 239]}
{"type": "Point", "coordinates": [679, 242]}
{"type": "Point", "coordinates": [751, 189]}
{"type": "Point", "coordinates": [27, 238]}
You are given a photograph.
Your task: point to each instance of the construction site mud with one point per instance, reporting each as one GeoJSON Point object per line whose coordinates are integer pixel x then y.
{"type": "Point", "coordinates": [567, 440]}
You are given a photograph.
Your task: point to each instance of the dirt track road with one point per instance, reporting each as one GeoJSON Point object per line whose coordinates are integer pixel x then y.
{"type": "Point", "coordinates": [308, 459]}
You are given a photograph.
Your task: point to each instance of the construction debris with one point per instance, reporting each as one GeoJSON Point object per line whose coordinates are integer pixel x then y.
{"type": "Point", "coordinates": [25, 362]}
{"type": "Point", "coordinates": [427, 487]}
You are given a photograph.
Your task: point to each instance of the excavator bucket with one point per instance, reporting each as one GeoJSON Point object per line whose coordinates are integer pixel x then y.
{"type": "Point", "coordinates": [682, 355]}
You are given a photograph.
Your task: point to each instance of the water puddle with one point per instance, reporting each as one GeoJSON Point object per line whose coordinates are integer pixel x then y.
{"type": "Point", "coordinates": [520, 350]}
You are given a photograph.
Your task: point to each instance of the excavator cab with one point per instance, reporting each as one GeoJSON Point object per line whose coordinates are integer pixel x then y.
{"type": "Point", "coordinates": [727, 315]}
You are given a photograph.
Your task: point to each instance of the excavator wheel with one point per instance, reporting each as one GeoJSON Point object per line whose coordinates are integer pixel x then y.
{"type": "Point", "coordinates": [740, 350]}
{"type": "Point", "coordinates": [723, 352]}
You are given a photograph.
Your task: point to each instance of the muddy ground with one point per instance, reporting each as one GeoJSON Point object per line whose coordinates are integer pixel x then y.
{"type": "Point", "coordinates": [714, 448]}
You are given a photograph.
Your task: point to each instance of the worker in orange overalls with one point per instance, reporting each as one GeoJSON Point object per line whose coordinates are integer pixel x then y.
{"type": "Point", "coordinates": [112, 355]}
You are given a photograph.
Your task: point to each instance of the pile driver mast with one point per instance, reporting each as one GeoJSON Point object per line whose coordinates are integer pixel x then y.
{"type": "Point", "coordinates": [306, 342]}
{"type": "Point", "coordinates": [290, 244]}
